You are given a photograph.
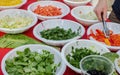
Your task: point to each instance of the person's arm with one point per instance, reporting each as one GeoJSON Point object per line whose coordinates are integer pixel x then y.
{"type": "Point", "coordinates": [101, 7]}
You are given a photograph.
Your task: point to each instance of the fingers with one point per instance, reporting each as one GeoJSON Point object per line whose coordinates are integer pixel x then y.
{"type": "Point", "coordinates": [100, 8]}
{"type": "Point", "coordinates": [105, 14]}
{"type": "Point", "coordinates": [98, 13]}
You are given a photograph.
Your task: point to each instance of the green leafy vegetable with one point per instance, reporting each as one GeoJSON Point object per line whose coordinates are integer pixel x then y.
{"type": "Point", "coordinates": [31, 63]}
{"type": "Point", "coordinates": [77, 54]}
{"type": "Point", "coordinates": [58, 34]}
{"type": "Point", "coordinates": [115, 73]}
{"type": "Point", "coordinates": [15, 40]}
{"type": "Point", "coordinates": [110, 55]}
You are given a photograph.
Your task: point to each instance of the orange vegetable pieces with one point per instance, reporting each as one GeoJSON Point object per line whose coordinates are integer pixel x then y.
{"type": "Point", "coordinates": [107, 42]}
{"type": "Point", "coordinates": [99, 32]}
{"type": "Point", "coordinates": [111, 32]}
{"type": "Point", "coordinates": [92, 34]}
{"type": "Point", "coordinates": [115, 39]}
{"type": "Point", "coordinates": [47, 10]}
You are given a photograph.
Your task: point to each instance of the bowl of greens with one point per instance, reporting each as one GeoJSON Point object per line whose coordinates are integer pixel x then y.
{"type": "Point", "coordinates": [58, 32]}
{"type": "Point", "coordinates": [74, 51]}
{"type": "Point", "coordinates": [96, 65]}
{"type": "Point", "coordinates": [33, 59]}
{"type": "Point", "coordinates": [15, 21]}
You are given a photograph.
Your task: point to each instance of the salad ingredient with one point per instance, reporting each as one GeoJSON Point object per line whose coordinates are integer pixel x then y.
{"type": "Point", "coordinates": [77, 54]}
{"type": "Point", "coordinates": [110, 55]}
{"type": "Point", "coordinates": [31, 63]}
{"type": "Point", "coordinates": [115, 73]}
{"type": "Point", "coordinates": [47, 10]}
{"type": "Point", "coordinates": [15, 40]}
{"type": "Point", "coordinates": [15, 21]}
{"type": "Point", "coordinates": [113, 40]}
{"type": "Point", "coordinates": [89, 16]}
{"type": "Point", "coordinates": [98, 64]}
{"type": "Point", "coordinates": [118, 62]}
{"type": "Point", "coordinates": [96, 72]}
{"type": "Point", "coordinates": [10, 2]}
{"type": "Point", "coordinates": [58, 33]}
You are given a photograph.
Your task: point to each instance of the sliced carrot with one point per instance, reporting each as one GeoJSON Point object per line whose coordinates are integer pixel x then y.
{"type": "Point", "coordinates": [48, 10]}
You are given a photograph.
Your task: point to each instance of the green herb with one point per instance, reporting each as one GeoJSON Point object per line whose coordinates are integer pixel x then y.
{"type": "Point", "coordinates": [77, 54]}
{"type": "Point", "coordinates": [58, 34]}
{"type": "Point", "coordinates": [31, 63]}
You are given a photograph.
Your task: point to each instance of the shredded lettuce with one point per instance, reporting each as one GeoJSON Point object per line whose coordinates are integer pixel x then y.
{"type": "Point", "coordinates": [15, 21]}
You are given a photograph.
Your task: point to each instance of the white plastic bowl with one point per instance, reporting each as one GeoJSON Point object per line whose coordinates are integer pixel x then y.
{"type": "Point", "coordinates": [62, 23]}
{"type": "Point", "coordinates": [115, 27]}
{"type": "Point", "coordinates": [13, 7]}
{"type": "Point", "coordinates": [13, 12]}
{"type": "Point", "coordinates": [81, 44]}
{"type": "Point", "coordinates": [64, 9]}
{"type": "Point", "coordinates": [76, 3]}
{"type": "Point", "coordinates": [36, 48]}
{"type": "Point", "coordinates": [77, 11]}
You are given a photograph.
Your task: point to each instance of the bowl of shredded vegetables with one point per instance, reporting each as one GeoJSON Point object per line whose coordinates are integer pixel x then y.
{"type": "Point", "coordinates": [95, 32]}
{"type": "Point", "coordinates": [58, 32]}
{"type": "Point", "coordinates": [74, 3]}
{"type": "Point", "coordinates": [73, 52]}
{"type": "Point", "coordinates": [85, 15]}
{"type": "Point", "coordinates": [45, 10]}
{"type": "Point", "coordinates": [10, 4]}
{"type": "Point", "coordinates": [15, 21]}
{"type": "Point", "coordinates": [33, 59]}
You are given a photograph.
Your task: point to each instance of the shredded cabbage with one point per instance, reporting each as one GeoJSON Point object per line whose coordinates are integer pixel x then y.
{"type": "Point", "coordinates": [89, 16]}
{"type": "Point", "coordinates": [15, 21]}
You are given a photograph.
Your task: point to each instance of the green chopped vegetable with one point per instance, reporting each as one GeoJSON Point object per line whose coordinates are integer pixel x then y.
{"type": "Point", "coordinates": [77, 54]}
{"type": "Point", "coordinates": [58, 34]}
{"type": "Point", "coordinates": [110, 55]}
{"type": "Point", "coordinates": [115, 73]}
{"type": "Point", "coordinates": [31, 63]}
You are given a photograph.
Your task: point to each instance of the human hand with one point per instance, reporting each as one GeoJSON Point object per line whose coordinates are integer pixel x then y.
{"type": "Point", "coordinates": [100, 8]}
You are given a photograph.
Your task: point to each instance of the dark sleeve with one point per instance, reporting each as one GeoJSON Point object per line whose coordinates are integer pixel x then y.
{"type": "Point", "coordinates": [116, 8]}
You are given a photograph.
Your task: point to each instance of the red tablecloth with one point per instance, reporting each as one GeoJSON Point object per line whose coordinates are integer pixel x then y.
{"type": "Point", "coordinates": [29, 33]}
